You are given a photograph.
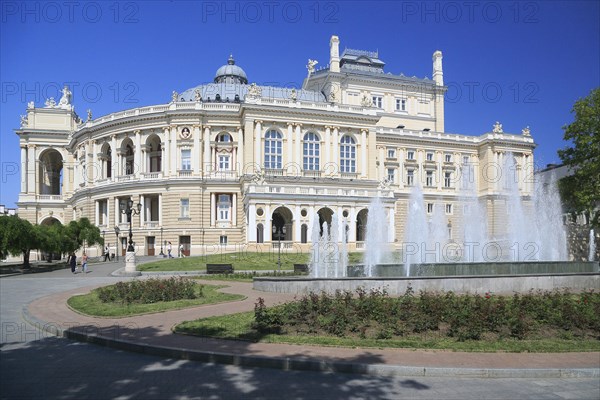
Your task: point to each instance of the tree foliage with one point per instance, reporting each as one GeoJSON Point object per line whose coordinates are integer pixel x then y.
{"type": "Point", "coordinates": [581, 190]}
{"type": "Point", "coordinates": [19, 236]}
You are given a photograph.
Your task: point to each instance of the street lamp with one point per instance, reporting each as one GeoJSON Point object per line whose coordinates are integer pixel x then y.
{"type": "Point", "coordinates": [127, 209]}
{"type": "Point", "coordinates": [161, 242]}
{"type": "Point", "coordinates": [117, 231]}
{"type": "Point", "coordinates": [281, 232]}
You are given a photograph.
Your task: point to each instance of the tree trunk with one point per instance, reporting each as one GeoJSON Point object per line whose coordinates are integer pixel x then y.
{"type": "Point", "coordinates": [26, 259]}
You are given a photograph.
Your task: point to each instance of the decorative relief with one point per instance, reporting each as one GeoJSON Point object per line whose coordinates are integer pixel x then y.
{"type": "Point", "coordinates": [254, 91]}
{"type": "Point", "coordinates": [366, 101]}
{"type": "Point", "coordinates": [185, 133]}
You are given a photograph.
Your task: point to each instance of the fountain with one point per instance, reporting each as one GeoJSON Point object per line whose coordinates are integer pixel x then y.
{"type": "Point", "coordinates": [530, 253]}
{"type": "Point", "coordinates": [592, 252]}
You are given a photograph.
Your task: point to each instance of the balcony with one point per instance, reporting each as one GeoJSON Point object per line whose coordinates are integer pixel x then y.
{"type": "Point", "coordinates": [348, 175]}
{"type": "Point", "coordinates": [184, 173]}
{"type": "Point", "coordinates": [151, 224]}
{"type": "Point", "coordinates": [274, 171]}
{"type": "Point", "coordinates": [49, 197]}
{"type": "Point", "coordinates": [125, 178]}
{"type": "Point", "coordinates": [151, 175]}
{"type": "Point", "coordinates": [311, 173]}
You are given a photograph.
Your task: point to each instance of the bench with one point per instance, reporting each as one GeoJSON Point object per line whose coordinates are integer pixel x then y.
{"type": "Point", "coordinates": [301, 268]}
{"type": "Point", "coordinates": [219, 269]}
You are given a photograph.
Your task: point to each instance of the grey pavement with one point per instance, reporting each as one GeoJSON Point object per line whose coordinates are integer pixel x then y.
{"type": "Point", "coordinates": [34, 364]}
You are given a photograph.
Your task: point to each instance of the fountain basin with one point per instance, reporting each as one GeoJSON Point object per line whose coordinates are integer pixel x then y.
{"type": "Point", "coordinates": [505, 284]}
{"type": "Point", "coordinates": [476, 269]}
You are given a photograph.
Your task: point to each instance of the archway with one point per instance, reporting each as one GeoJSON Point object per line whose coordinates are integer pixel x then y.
{"type": "Point", "coordinates": [106, 159]}
{"type": "Point", "coordinates": [325, 216]}
{"type": "Point", "coordinates": [260, 237]}
{"type": "Point", "coordinates": [51, 168]}
{"type": "Point", "coordinates": [282, 218]}
{"type": "Point", "coordinates": [361, 224]}
{"type": "Point", "coordinates": [154, 154]}
{"type": "Point", "coordinates": [51, 222]}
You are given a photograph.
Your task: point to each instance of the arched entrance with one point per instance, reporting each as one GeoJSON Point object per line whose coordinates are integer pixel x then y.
{"type": "Point", "coordinates": [282, 224]}
{"type": "Point", "coordinates": [51, 168]}
{"type": "Point", "coordinates": [361, 224]}
{"type": "Point", "coordinates": [52, 223]}
{"type": "Point", "coordinates": [325, 216]}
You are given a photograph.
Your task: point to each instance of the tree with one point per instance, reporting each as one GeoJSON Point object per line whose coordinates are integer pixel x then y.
{"type": "Point", "coordinates": [80, 233]}
{"type": "Point", "coordinates": [581, 190]}
{"type": "Point", "coordinates": [18, 236]}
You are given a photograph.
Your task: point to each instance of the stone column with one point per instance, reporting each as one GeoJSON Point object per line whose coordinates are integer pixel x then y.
{"type": "Point", "coordinates": [213, 206]}
{"type": "Point", "coordinates": [298, 139]}
{"type": "Point", "coordinates": [234, 209]}
{"type": "Point", "coordinates": [381, 155]}
{"type": "Point", "coordinates": [166, 150]}
{"type": "Point", "coordinates": [31, 169]}
{"type": "Point", "coordinates": [137, 164]}
{"type": "Point", "coordinates": [391, 225]}
{"type": "Point", "coordinates": [290, 148]}
{"type": "Point", "coordinates": [96, 169]}
{"type": "Point", "coordinates": [117, 211]}
{"type": "Point", "coordinates": [114, 158]}
{"type": "Point", "coordinates": [143, 212]}
{"type": "Point", "coordinates": [160, 212]}
{"type": "Point", "coordinates": [352, 225]}
{"type": "Point", "coordinates": [173, 150]}
{"type": "Point", "coordinates": [23, 169]}
{"type": "Point", "coordinates": [268, 219]}
{"type": "Point", "coordinates": [240, 160]}
{"type": "Point", "coordinates": [297, 225]}
{"type": "Point", "coordinates": [326, 149]}
{"type": "Point", "coordinates": [207, 159]}
{"type": "Point", "coordinates": [363, 152]}
{"type": "Point", "coordinates": [334, 149]}
{"type": "Point", "coordinates": [257, 142]}
{"type": "Point", "coordinates": [97, 212]}
{"type": "Point", "coordinates": [196, 152]}
{"type": "Point", "coordinates": [251, 232]}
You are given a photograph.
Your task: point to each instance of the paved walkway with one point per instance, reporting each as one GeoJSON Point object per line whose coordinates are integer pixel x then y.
{"type": "Point", "coordinates": [152, 334]}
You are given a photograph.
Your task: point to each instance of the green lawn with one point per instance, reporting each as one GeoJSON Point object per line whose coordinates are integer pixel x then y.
{"type": "Point", "coordinates": [238, 327]}
{"type": "Point", "coordinates": [90, 304]}
{"type": "Point", "coordinates": [245, 261]}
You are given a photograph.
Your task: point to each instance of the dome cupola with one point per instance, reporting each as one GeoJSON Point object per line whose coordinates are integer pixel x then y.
{"type": "Point", "coordinates": [231, 73]}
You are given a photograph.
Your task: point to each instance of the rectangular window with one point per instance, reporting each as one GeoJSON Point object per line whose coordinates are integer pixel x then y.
{"type": "Point", "coordinates": [223, 207]}
{"type": "Point", "coordinates": [429, 178]}
{"type": "Point", "coordinates": [429, 156]}
{"type": "Point", "coordinates": [448, 208]}
{"type": "Point", "coordinates": [447, 179]}
{"type": "Point", "coordinates": [391, 175]}
{"type": "Point", "coordinates": [448, 157]}
{"type": "Point", "coordinates": [186, 159]}
{"type": "Point", "coordinates": [223, 240]}
{"type": "Point", "coordinates": [224, 163]}
{"type": "Point", "coordinates": [377, 101]}
{"type": "Point", "coordinates": [410, 177]}
{"type": "Point", "coordinates": [184, 208]}
{"type": "Point", "coordinates": [465, 159]}
{"type": "Point", "coordinates": [391, 153]}
{"type": "Point", "coordinates": [410, 155]}
{"type": "Point", "coordinates": [103, 205]}
{"type": "Point", "coordinates": [429, 208]}
{"type": "Point", "coordinates": [400, 104]}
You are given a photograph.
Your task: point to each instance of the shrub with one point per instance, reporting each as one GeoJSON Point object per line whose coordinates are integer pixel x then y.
{"type": "Point", "coordinates": [150, 290]}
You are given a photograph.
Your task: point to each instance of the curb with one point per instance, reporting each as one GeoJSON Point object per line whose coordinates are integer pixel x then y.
{"type": "Point", "coordinates": [294, 364]}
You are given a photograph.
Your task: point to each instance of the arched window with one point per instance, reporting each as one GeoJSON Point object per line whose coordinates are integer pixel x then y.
{"type": "Point", "coordinates": [106, 159]}
{"type": "Point", "coordinates": [260, 237]}
{"type": "Point", "coordinates": [273, 145]}
{"type": "Point", "coordinates": [304, 233]}
{"type": "Point", "coordinates": [154, 153]}
{"type": "Point", "coordinates": [311, 152]}
{"type": "Point", "coordinates": [347, 154]}
{"type": "Point", "coordinates": [129, 159]}
{"type": "Point", "coordinates": [224, 137]}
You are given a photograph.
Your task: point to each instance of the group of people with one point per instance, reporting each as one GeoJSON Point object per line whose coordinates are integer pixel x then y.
{"type": "Point", "coordinates": [180, 253]}
{"type": "Point", "coordinates": [73, 263]}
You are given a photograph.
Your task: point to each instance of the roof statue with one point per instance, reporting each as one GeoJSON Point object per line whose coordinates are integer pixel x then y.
{"type": "Point", "coordinates": [24, 121]}
{"type": "Point", "coordinates": [65, 100]}
{"type": "Point", "coordinates": [311, 66]}
{"type": "Point", "coordinates": [526, 131]}
{"type": "Point", "coordinates": [31, 104]}
{"type": "Point", "coordinates": [89, 114]}
{"type": "Point", "coordinates": [293, 95]}
{"type": "Point", "coordinates": [497, 128]}
{"type": "Point", "coordinates": [197, 96]}
{"type": "Point", "coordinates": [174, 96]}
{"type": "Point", "coordinates": [254, 91]}
{"type": "Point", "coordinates": [50, 103]}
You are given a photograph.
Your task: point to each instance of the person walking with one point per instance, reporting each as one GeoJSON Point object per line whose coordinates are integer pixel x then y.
{"type": "Point", "coordinates": [169, 249]}
{"type": "Point", "coordinates": [84, 261]}
{"type": "Point", "coordinates": [73, 262]}
{"type": "Point", "coordinates": [107, 252]}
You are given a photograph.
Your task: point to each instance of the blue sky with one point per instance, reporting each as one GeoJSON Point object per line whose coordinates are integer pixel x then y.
{"type": "Point", "coordinates": [521, 63]}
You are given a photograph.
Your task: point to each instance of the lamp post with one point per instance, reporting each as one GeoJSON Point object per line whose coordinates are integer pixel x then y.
{"type": "Point", "coordinates": [126, 208]}
{"type": "Point", "coordinates": [117, 231]}
{"type": "Point", "coordinates": [161, 242]}
{"type": "Point", "coordinates": [281, 232]}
